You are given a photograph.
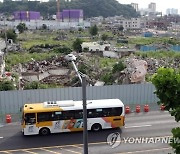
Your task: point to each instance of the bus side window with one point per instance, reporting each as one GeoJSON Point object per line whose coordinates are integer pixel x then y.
{"type": "Point", "coordinates": [106, 112]}
{"type": "Point", "coordinates": [99, 112]}
{"type": "Point", "coordinates": [91, 113]}
{"type": "Point", "coordinates": [67, 115]}
{"type": "Point", "coordinates": [45, 116]}
{"type": "Point", "coordinates": [58, 115]}
{"type": "Point", "coordinates": [117, 111]}
{"type": "Point", "coordinates": [78, 114]}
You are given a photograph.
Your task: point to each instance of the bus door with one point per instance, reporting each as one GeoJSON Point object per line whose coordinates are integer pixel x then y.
{"type": "Point", "coordinates": [30, 124]}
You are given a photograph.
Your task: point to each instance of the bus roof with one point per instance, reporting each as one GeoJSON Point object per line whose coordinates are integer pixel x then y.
{"type": "Point", "coordinates": [101, 103]}
{"type": "Point", "coordinates": [72, 105]}
{"type": "Point", "coordinates": [39, 107]}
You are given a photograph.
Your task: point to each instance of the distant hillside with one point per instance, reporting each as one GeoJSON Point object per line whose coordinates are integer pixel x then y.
{"type": "Point", "coordinates": [92, 8]}
{"type": "Point", "coordinates": [105, 8]}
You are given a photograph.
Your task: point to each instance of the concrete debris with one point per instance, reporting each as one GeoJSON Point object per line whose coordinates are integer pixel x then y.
{"type": "Point", "coordinates": [138, 67]}
{"type": "Point", "coordinates": [58, 71]}
{"type": "Point", "coordinates": [136, 70]}
{"type": "Point", "coordinates": [46, 71]}
{"type": "Point", "coordinates": [99, 83]}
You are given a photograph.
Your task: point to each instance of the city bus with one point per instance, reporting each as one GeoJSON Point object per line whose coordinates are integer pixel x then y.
{"type": "Point", "coordinates": [67, 116]}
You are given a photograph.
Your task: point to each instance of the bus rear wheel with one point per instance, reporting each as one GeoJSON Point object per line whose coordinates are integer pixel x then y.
{"type": "Point", "coordinates": [96, 127]}
{"type": "Point", "coordinates": [44, 131]}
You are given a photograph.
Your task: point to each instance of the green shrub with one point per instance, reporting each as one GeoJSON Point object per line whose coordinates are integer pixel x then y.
{"type": "Point", "coordinates": [35, 85]}
{"type": "Point", "coordinates": [7, 85]}
{"type": "Point", "coordinates": [83, 68]}
{"type": "Point", "coordinates": [65, 50]}
{"type": "Point", "coordinates": [118, 67]}
{"type": "Point", "coordinates": [108, 78]}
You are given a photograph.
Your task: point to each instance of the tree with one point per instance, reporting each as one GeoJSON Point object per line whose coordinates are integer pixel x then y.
{"type": "Point", "coordinates": [21, 27]}
{"type": "Point", "coordinates": [35, 85]}
{"type": "Point", "coordinates": [108, 78]}
{"type": "Point", "coordinates": [77, 45]}
{"type": "Point", "coordinates": [6, 85]}
{"type": "Point", "coordinates": [93, 30]}
{"type": "Point", "coordinates": [91, 8]}
{"type": "Point", "coordinates": [44, 26]}
{"type": "Point", "coordinates": [104, 37]}
{"type": "Point", "coordinates": [118, 67]}
{"type": "Point", "coordinates": [10, 35]}
{"type": "Point", "coordinates": [167, 83]}
{"type": "Point", "coordinates": [121, 28]}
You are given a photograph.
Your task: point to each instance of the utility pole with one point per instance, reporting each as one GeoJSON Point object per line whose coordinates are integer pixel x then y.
{"type": "Point", "coordinates": [85, 132]}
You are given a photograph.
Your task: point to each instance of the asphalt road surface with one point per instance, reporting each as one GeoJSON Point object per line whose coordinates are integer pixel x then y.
{"type": "Point", "coordinates": [143, 133]}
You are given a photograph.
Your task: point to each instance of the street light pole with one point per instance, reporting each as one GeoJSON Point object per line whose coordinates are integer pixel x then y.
{"type": "Point", "coordinates": [82, 78]}
{"type": "Point", "coordinates": [75, 68]}
{"type": "Point", "coordinates": [85, 132]}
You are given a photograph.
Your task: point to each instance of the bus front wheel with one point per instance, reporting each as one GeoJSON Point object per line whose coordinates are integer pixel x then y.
{"type": "Point", "coordinates": [96, 127]}
{"type": "Point", "coordinates": [44, 131]}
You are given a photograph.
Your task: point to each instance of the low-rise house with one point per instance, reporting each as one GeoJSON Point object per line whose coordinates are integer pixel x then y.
{"type": "Point", "coordinates": [95, 46]}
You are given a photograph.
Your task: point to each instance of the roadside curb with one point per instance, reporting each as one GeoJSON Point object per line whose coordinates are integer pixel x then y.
{"type": "Point", "coordinates": [133, 113]}
{"type": "Point", "coordinates": [10, 124]}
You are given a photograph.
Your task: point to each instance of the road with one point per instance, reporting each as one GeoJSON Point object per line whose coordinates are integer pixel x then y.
{"type": "Point", "coordinates": [151, 125]}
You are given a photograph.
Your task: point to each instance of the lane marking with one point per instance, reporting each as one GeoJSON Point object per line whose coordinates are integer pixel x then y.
{"type": "Point", "coordinates": [29, 152]}
{"type": "Point", "coordinates": [77, 146]}
{"type": "Point", "coordinates": [1, 137]}
{"type": "Point", "coordinates": [6, 152]}
{"type": "Point", "coordinates": [72, 151]}
{"type": "Point", "coordinates": [138, 126]}
{"type": "Point", "coordinates": [142, 151]}
{"type": "Point", "coordinates": [44, 149]}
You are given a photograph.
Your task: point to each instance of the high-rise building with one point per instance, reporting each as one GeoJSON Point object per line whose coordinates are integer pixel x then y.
{"type": "Point", "coordinates": [172, 11]}
{"type": "Point", "coordinates": [152, 7]}
{"type": "Point", "coordinates": [135, 6]}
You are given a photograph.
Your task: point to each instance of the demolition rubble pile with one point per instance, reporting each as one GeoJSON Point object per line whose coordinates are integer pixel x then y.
{"type": "Point", "coordinates": [154, 64]}
{"type": "Point", "coordinates": [45, 71]}
{"type": "Point", "coordinates": [138, 67]}
{"type": "Point", "coordinates": [136, 70]}
{"type": "Point", "coordinates": [58, 70]}
{"type": "Point", "coordinates": [42, 66]}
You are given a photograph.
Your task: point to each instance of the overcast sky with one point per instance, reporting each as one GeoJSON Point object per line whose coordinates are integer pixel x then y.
{"type": "Point", "coordinates": [161, 5]}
